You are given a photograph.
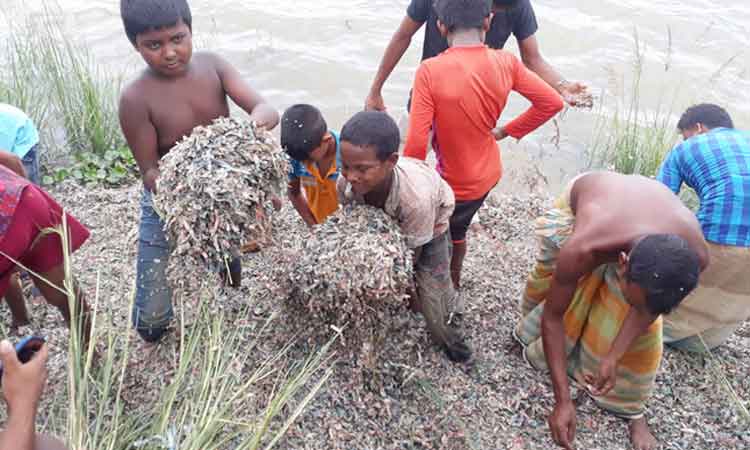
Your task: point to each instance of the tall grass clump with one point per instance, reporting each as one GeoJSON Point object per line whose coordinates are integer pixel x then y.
{"type": "Point", "coordinates": [68, 94]}
{"type": "Point", "coordinates": [631, 138]}
{"type": "Point", "coordinates": [217, 396]}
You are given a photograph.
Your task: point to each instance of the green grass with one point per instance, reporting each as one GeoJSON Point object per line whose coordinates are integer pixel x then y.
{"type": "Point", "coordinates": [216, 398]}
{"type": "Point", "coordinates": [631, 138]}
{"type": "Point", "coordinates": [71, 98]}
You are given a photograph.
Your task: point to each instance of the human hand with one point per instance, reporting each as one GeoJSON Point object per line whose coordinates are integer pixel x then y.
{"type": "Point", "coordinates": [276, 201]}
{"type": "Point", "coordinates": [149, 179]}
{"type": "Point", "coordinates": [576, 94]}
{"type": "Point", "coordinates": [12, 162]}
{"type": "Point", "coordinates": [604, 381]}
{"type": "Point", "coordinates": [499, 133]}
{"type": "Point", "coordinates": [374, 102]}
{"type": "Point", "coordinates": [23, 383]}
{"type": "Point", "coordinates": [562, 424]}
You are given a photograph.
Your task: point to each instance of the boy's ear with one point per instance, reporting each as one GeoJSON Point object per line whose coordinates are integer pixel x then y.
{"type": "Point", "coordinates": [442, 28]}
{"type": "Point", "coordinates": [392, 159]}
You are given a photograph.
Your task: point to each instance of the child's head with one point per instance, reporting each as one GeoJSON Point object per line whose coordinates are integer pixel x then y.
{"type": "Point", "coordinates": [369, 150]}
{"type": "Point", "coordinates": [161, 31]}
{"type": "Point", "coordinates": [304, 133]}
{"type": "Point", "coordinates": [463, 15]}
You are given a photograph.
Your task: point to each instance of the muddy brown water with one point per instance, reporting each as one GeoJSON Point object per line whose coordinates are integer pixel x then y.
{"type": "Point", "coordinates": [326, 52]}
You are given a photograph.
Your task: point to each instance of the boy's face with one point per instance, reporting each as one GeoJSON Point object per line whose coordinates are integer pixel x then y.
{"type": "Point", "coordinates": [166, 50]}
{"type": "Point", "coordinates": [362, 168]}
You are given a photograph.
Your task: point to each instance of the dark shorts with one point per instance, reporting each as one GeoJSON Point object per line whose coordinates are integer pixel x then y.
{"type": "Point", "coordinates": [462, 216]}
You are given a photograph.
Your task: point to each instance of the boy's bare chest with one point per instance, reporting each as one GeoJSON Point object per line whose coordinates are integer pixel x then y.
{"type": "Point", "coordinates": [180, 107]}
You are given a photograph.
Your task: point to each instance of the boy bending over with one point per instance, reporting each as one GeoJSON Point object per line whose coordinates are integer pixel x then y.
{"type": "Point", "coordinates": [413, 194]}
{"type": "Point", "coordinates": [605, 274]}
{"type": "Point", "coordinates": [459, 95]}
{"type": "Point", "coordinates": [177, 92]}
{"type": "Point", "coordinates": [316, 162]}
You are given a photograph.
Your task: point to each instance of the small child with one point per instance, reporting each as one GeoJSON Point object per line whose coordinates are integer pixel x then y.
{"type": "Point", "coordinates": [176, 93]}
{"type": "Point", "coordinates": [18, 135]}
{"type": "Point", "coordinates": [316, 162]}
{"type": "Point", "coordinates": [459, 95]}
{"type": "Point", "coordinates": [422, 203]}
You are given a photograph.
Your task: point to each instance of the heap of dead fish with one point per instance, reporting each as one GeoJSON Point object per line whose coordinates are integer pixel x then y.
{"type": "Point", "coordinates": [215, 194]}
{"type": "Point", "coordinates": [352, 271]}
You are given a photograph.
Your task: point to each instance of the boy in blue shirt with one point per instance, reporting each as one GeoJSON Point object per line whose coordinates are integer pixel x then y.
{"type": "Point", "coordinates": [18, 135]}
{"type": "Point", "coordinates": [176, 93]}
{"type": "Point", "coordinates": [315, 162]}
{"type": "Point", "coordinates": [714, 160]}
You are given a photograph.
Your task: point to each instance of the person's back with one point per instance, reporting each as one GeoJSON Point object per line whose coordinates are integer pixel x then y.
{"type": "Point", "coordinates": [466, 89]}
{"type": "Point", "coordinates": [714, 160]}
{"type": "Point", "coordinates": [606, 201]}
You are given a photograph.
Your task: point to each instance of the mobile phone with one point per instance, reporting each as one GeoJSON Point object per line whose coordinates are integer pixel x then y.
{"type": "Point", "coordinates": [25, 350]}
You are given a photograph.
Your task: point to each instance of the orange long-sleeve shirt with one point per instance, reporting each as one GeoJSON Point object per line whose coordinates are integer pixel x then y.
{"type": "Point", "coordinates": [460, 95]}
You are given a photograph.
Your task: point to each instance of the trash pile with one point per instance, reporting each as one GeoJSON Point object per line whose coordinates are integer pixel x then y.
{"type": "Point", "coordinates": [215, 194]}
{"type": "Point", "coordinates": [352, 272]}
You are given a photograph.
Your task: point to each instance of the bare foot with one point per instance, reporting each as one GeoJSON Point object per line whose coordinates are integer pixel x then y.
{"type": "Point", "coordinates": [640, 435]}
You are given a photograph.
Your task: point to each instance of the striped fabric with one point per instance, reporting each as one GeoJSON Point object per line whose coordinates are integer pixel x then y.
{"type": "Point", "coordinates": [591, 322]}
{"type": "Point", "coordinates": [717, 165]}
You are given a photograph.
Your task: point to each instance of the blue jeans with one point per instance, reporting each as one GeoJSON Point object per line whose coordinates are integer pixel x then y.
{"type": "Point", "coordinates": [153, 296]}
{"type": "Point", "coordinates": [31, 164]}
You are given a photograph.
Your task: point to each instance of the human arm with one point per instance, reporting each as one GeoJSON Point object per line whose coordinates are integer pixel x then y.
{"type": "Point", "coordinates": [636, 323]}
{"type": "Point", "coordinates": [421, 116]}
{"type": "Point", "coordinates": [261, 112]}
{"type": "Point", "coordinates": [669, 172]}
{"type": "Point", "coordinates": [545, 101]}
{"type": "Point", "coordinates": [294, 192]}
{"type": "Point", "coordinates": [395, 50]}
{"type": "Point", "coordinates": [574, 261]}
{"type": "Point", "coordinates": [141, 137]}
{"type": "Point", "coordinates": [574, 93]}
{"type": "Point", "coordinates": [12, 162]}
{"type": "Point", "coordinates": [393, 53]}
{"type": "Point", "coordinates": [22, 387]}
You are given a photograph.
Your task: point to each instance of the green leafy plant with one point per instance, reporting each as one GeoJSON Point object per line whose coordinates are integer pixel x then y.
{"type": "Point", "coordinates": [68, 95]}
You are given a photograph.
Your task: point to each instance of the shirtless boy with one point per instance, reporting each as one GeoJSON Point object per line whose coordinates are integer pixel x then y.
{"type": "Point", "coordinates": [177, 92]}
{"type": "Point", "coordinates": [605, 274]}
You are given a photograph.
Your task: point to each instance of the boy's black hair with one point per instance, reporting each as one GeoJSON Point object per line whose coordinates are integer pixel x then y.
{"type": "Point", "coordinates": [140, 16]}
{"type": "Point", "coordinates": [373, 129]}
{"type": "Point", "coordinates": [710, 115]}
{"type": "Point", "coordinates": [302, 129]}
{"type": "Point", "coordinates": [462, 14]}
{"type": "Point", "coordinates": [666, 268]}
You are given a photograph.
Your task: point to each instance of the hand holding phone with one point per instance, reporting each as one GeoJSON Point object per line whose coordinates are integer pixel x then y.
{"type": "Point", "coordinates": [23, 373]}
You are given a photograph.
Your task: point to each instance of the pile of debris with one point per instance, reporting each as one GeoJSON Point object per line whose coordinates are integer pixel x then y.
{"type": "Point", "coordinates": [215, 194]}
{"type": "Point", "coordinates": [353, 272]}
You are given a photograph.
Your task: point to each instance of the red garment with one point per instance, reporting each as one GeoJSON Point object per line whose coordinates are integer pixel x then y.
{"type": "Point", "coordinates": [34, 212]}
{"type": "Point", "coordinates": [460, 94]}
{"type": "Point", "coordinates": [11, 187]}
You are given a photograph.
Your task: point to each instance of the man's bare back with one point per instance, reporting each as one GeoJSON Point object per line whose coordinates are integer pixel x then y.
{"type": "Point", "coordinates": [613, 210]}
{"type": "Point", "coordinates": [177, 105]}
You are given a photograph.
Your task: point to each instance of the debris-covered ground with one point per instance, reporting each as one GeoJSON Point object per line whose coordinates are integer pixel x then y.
{"type": "Point", "coordinates": [414, 398]}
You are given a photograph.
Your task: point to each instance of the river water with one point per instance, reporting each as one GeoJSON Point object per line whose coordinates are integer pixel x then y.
{"type": "Point", "coordinates": [326, 52]}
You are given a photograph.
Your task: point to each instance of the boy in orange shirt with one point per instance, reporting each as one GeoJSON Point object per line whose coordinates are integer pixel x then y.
{"type": "Point", "coordinates": [459, 95]}
{"type": "Point", "coordinates": [315, 162]}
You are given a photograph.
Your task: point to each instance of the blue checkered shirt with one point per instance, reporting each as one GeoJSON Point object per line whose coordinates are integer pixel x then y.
{"type": "Point", "coordinates": [717, 165]}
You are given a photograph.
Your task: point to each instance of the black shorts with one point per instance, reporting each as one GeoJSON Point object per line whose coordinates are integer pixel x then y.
{"type": "Point", "coordinates": [462, 216]}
